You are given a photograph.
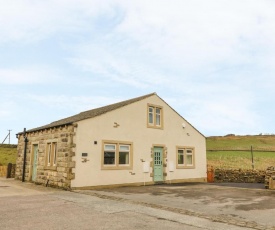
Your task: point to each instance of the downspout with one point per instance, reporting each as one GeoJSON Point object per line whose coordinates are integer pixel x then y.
{"type": "Point", "coordinates": [25, 153]}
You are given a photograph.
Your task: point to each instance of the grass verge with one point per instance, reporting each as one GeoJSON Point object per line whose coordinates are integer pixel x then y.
{"type": "Point", "coordinates": [8, 154]}
{"type": "Point", "coordinates": [240, 159]}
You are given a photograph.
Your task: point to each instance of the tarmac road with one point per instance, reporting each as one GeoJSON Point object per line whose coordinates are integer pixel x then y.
{"type": "Point", "coordinates": [30, 206]}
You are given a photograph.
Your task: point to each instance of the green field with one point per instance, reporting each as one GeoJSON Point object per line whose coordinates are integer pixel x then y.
{"type": "Point", "coordinates": [263, 152]}
{"type": "Point", "coordinates": [259, 142]}
{"type": "Point", "coordinates": [7, 154]}
{"type": "Point", "coordinates": [223, 152]}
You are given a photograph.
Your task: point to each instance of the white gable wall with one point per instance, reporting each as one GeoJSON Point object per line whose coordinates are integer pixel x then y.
{"type": "Point", "coordinates": [132, 120]}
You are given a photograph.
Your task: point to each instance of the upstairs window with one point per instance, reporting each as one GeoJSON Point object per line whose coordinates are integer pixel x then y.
{"type": "Point", "coordinates": [155, 116]}
{"type": "Point", "coordinates": [185, 157]}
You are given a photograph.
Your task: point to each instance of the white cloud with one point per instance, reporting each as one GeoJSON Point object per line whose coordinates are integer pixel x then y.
{"type": "Point", "coordinates": [216, 57]}
{"type": "Point", "coordinates": [4, 113]}
{"type": "Point", "coordinates": [170, 43]}
{"type": "Point", "coordinates": [28, 21]}
{"type": "Point", "coordinates": [28, 75]}
{"type": "Point", "coordinates": [74, 104]}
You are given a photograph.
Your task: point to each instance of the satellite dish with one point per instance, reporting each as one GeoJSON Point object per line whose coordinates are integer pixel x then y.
{"type": "Point", "coordinates": [183, 125]}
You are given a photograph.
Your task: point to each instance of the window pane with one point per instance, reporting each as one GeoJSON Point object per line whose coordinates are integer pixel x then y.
{"type": "Point", "coordinates": [124, 148]}
{"type": "Point", "coordinates": [109, 158]}
{"type": "Point", "coordinates": [151, 115]}
{"type": "Point", "coordinates": [189, 159]}
{"type": "Point", "coordinates": [189, 151]}
{"type": "Point", "coordinates": [151, 121]}
{"type": "Point", "coordinates": [123, 158]}
{"type": "Point", "coordinates": [54, 153]}
{"type": "Point", "coordinates": [110, 147]}
{"type": "Point", "coordinates": [158, 114]}
{"type": "Point", "coordinates": [180, 157]}
{"type": "Point", "coordinates": [157, 119]}
{"type": "Point", "coordinates": [49, 153]}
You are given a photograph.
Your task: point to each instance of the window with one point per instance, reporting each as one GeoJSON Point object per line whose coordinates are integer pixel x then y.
{"type": "Point", "coordinates": [54, 153]}
{"type": "Point", "coordinates": [124, 153]}
{"type": "Point", "coordinates": [117, 155]}
{"type": "Point", "coordinates": [151, 115]}
{"type": "Point", "coordinates": [51, 154]}
{"type": "Point", "coordinates": [109, 154]}
{"type": "Point", "coordinates": [185, 157]}
{"type": "Point", "coordinates": [155, 116]}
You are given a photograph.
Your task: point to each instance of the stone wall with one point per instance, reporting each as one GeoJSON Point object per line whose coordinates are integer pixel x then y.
{"type": "Point", "coordinates": [8, 171]}
{"type": "Point", "coordinates": [11, 173]}
{"type": "Point", "coordinates": [270, 172]}
{"type": "Point", "coordinates": [239, 176]}
{"type": "Point", "coordinates": [59, 176]}
{"type": "Point", "coordinates": [3, 170]}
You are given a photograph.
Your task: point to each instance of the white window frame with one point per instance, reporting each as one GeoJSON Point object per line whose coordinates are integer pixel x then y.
{"type": "Point", "coordinates": [109, 150]}
{"type": "Point", "coordinates": [51, 155]}
{"type": "Point", "coordinates": [157, 116]}
{"type": "Point", "coordinates": [117, 150]}
{"type": "Point", "coordinates": [124, 151]}
{"type": "Point", "coordinates": [186, 153]}
{"type": "Point", "coordinates": [54, 146]}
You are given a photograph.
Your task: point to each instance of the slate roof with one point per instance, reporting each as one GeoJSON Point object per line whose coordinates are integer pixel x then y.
{"type": "Point", "coordinates": [90, 113]}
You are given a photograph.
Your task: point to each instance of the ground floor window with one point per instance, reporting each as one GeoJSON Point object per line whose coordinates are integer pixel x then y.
{"type": "Point", "coordinates": [51, 154]}
{"type": "Point", "coordinates": [117, 155]}
{"type": "Point", "coordinates": [185, 157]}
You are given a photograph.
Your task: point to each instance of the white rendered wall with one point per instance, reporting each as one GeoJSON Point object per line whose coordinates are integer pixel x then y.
{"type": "Point", "coordinates": [132, 120]}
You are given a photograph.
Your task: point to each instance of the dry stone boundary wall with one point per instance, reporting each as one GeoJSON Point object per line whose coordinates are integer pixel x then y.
{"type": "Point", "coordinates": [239, 176]}
{"type": "Point", "coordinates": [270, 176]}
{"type": "Point", "coordinates": [8, 171]}
{"type": "Point", "coordinates": [246, 176]}
{"type": "Point", "coordinates": [3, 171]}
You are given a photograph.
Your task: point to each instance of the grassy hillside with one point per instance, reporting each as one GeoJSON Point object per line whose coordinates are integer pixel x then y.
{"type": "Point", "coordinates": [259, 142]}
{"type": "Point", "coordinates": [263, 151]}
{"type": "Point", "coordinates": [7, 154]}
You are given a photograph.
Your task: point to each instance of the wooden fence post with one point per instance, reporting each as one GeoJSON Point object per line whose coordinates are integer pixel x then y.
{"type": "Point", "coordinates": [9, 168]}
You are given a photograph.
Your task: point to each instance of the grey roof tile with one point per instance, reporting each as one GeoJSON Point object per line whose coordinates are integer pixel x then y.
{"type": "Point", "coordinates": [90, 113]}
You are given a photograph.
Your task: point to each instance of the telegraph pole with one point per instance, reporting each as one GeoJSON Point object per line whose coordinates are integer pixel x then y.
{"type": "Point", "coordinates": [9, 135]}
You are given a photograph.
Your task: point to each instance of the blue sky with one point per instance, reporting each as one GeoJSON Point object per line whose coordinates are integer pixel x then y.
{"type": "Point", "coordinates": [212, 61]}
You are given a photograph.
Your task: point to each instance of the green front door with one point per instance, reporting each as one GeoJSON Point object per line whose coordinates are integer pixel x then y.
{"type": "Point", "coordinates": [158, 164]}
{"type": "Point", "coordinates": [34, 166]}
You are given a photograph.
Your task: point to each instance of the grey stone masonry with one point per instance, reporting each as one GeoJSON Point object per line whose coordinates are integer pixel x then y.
{"type": "Point", "coordinates": [270, 173]}
{"type": "Point", "coordinates": [239, 176]}
{"type": "Point", "coordinates": [59, 175]}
